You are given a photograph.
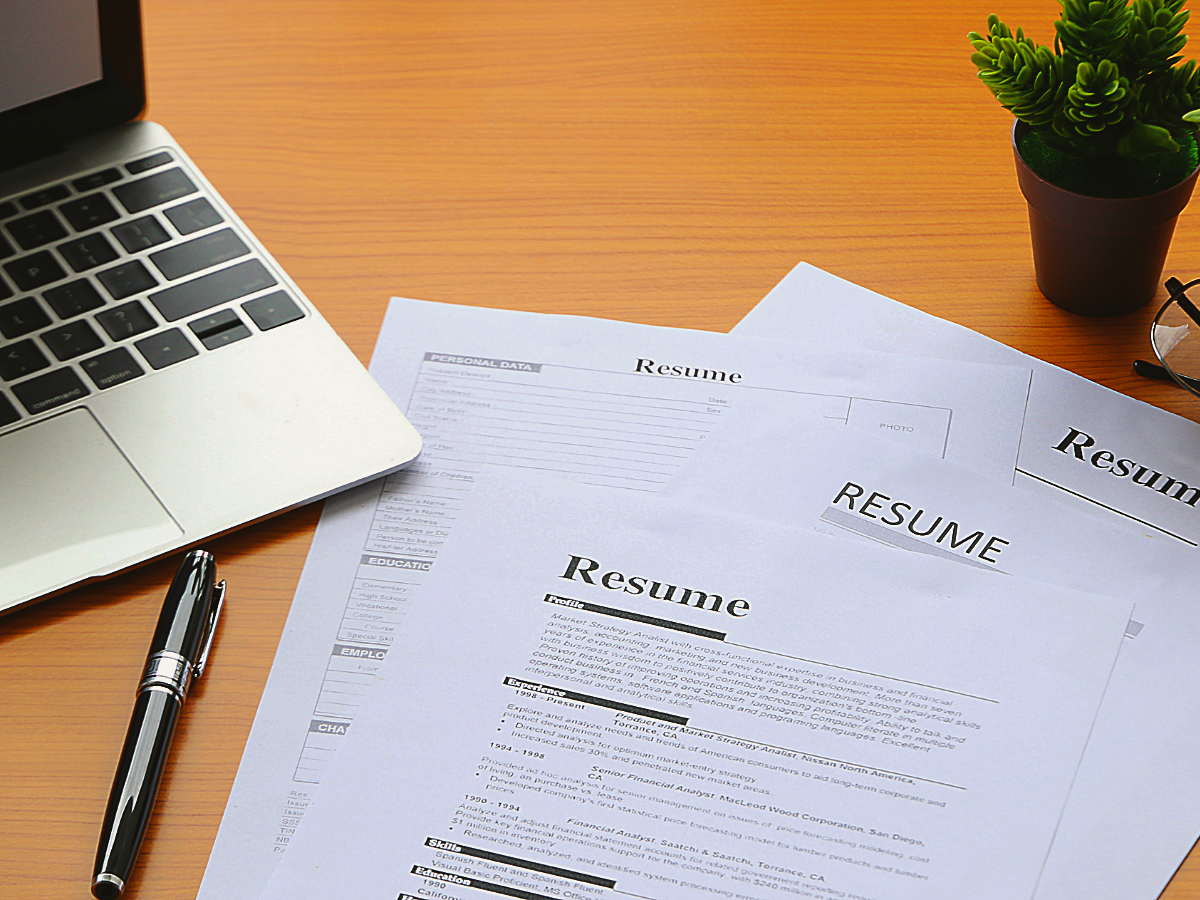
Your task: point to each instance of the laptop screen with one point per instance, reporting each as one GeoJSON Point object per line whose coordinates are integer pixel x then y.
{"type": "Point", "coordinates": [46, 48]}
{"type": "Point", "coordinates": [68, 68]}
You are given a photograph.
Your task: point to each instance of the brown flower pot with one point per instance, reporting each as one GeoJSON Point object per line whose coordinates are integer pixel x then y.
{"type": "Point", "coordinates": [1097, 256]}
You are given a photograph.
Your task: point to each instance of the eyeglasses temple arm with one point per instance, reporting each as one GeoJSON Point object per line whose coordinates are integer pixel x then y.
{"type": "Point", "coordinates": [1158, 373]}
{"type": "Point", "coordinates": [1177, 288]}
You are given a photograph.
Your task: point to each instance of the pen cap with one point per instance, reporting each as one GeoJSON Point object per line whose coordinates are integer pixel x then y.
{"type": "Point", "coordinates": [185, 614]}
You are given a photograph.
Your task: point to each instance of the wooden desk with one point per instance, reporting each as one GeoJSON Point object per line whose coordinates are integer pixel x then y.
{"type": "Point", "coordinates": [656, 161]}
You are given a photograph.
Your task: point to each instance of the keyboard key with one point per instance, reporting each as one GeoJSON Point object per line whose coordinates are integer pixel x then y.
{"type": "Point", "coordinates": [227, 336]}
{"type": "Point", "coordinates": [213, 323]}
{"type": "Point", "coordinates": [45, 195]}
{"type": "Point", "coordinates": [194, 215]}
{"type": "Point", "coordinates": [73, 298]}
{"type": "Point", "coordinates": [272, 310]}
{"type": "Point", "coordinates": [166, 348]}
{"type": "Point", "coordinates": [6, 249]}
{"type": "Point", "coordinates": [162, 187]}
{"type": "Point", "coordinates": [127, 279]}
{"type": "Point", "coordinates": [88, 252]}
{"type": "Point", "coordinates": [22, 317]}
{"type": "Point", "coordinates": [8, 412]}
{"type": "Point", "coordinates": [147, 163]}
{"type": "Point", "coordinates": [5, 290]}
{"type": "Point", "coordinates": [35, 271]}
{"type": "Point", "coordinates": [212, 290]}
{"type": "Point", "coordinates": [112, 368]}
{"type": "Point", "coordinates": [126, 320]}
{"type": "Point", "coordinates": [140, 234]}
{"type": "Point", "coordinates": [8, 210]}
{"type": "Point", "coordinates": [21, 359]}
{"type": "Point", "coordinates": [199, 253]}
{"type": "Point", "coordinates": [50, 390]}
{"type": "Point", "coordinates": [72, 340]}
{"type": "Point", "coordinates": [36, 230]}
{"type": "Point", "coordinates": [219, 329]}
{"type": "Point", "coordinates": [88, 212]}
{"type": "Point", "coordinates": [96, 180]}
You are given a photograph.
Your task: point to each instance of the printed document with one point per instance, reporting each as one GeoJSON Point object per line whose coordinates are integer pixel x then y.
{"type": "Point", "coordinates": [1081, 443]}
{"type": "Point", "coordinates": [1134, 810]}
{"type": "Point", "coordinates": [607, 403]}
{"type": "Point", "coordinates": [603, 694]}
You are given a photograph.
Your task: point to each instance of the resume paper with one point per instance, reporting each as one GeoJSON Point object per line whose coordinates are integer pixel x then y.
{"type": "Point", "coordinates": [606, 695]}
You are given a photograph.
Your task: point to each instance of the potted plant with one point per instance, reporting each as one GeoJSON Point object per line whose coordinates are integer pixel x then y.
{"type": "Point", "coordinates": [1104, 142]}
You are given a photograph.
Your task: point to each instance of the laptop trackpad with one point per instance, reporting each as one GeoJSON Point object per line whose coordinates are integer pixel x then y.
{"type": "Point", "coordinates": [73, 505]}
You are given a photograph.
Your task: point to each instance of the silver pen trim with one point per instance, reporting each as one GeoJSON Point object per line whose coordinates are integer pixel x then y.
{"type": "Point", "coordinates": [219, 591]}
{"type": "Point", "coordinates": [170, 670]}
{"type": "Point", "coordinates": [105, 878]}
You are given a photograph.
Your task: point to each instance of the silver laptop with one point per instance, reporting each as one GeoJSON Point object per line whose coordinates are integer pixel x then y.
{"type": "Point", "coordinates": [162, 379]}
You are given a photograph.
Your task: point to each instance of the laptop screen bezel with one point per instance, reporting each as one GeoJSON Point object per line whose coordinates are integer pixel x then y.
{"type": "Point", "coordinates": [119, 96]}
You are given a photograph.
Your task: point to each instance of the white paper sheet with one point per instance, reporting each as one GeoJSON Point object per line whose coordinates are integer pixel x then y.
{"type": "Point", "coordinates": [1134, 811]}
{"type": "Point", "coordinates": [1081, 443]}
{"type": "Point", "coordinates": [585, 398]}
{"type": "Point", "coordinates": [1132, 817]}
{"type": "Point", "coordinates": [795, 716]}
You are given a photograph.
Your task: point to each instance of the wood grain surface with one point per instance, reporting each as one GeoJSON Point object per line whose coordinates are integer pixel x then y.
{"type": "Point", "coordinates": [653, 161]}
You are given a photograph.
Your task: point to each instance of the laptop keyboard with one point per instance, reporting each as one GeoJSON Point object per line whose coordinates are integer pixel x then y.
{"type": "Point", "coordinates": [118, 274]}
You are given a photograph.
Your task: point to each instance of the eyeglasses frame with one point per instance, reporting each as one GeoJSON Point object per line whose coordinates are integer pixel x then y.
{"type": "Point", "coordinates": [1177, 290]}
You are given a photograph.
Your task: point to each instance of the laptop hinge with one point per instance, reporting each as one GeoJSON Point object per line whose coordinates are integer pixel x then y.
{"type": "Point", "coordinates": [27, 151]}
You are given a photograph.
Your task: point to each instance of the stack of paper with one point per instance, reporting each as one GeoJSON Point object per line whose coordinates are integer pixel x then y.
{"type": "Point", "coordinates": [590, 645]}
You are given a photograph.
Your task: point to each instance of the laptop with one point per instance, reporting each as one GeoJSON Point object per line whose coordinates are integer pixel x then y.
{"type": "Point", "coordinates": [162, 379]}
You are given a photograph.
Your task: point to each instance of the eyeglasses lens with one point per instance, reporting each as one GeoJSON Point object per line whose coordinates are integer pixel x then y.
{"type": "Point", "coordinates": [1176, 339]}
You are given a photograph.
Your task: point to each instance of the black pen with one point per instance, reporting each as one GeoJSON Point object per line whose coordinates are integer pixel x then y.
{"type": "Point", "coordinates": [178, 653]}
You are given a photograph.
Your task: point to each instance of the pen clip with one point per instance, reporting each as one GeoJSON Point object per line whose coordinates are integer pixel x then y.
{"type": "Point", "coordinates": [198, 669]}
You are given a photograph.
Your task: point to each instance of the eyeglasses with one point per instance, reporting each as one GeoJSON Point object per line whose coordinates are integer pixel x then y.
{"type": "Point", "coordinates": [1175, 337]}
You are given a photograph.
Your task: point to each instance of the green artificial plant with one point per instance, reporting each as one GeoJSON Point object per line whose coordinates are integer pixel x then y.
{"type": "Point", "coordinates": [1111, 87]}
